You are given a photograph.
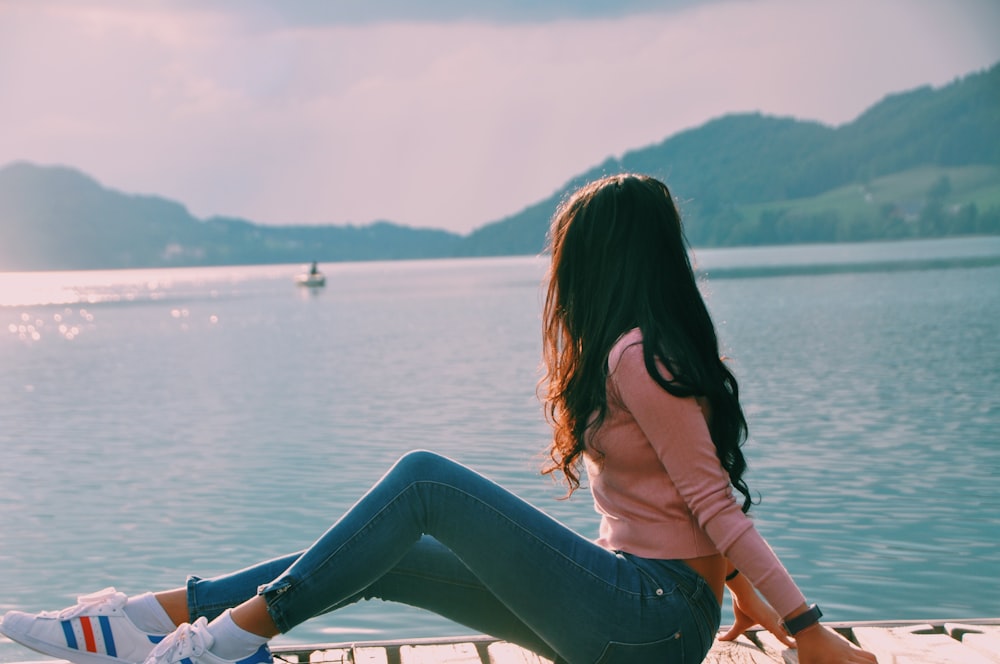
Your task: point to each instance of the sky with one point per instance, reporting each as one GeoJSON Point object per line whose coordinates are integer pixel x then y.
{"type": "Point", "coordinates": [444, 114]}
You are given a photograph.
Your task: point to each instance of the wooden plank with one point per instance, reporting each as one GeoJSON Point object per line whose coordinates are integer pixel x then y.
{"type": "Point", "coordinates": [338, 655]}
{"type": "Point", "coordinates": [451, 653]}
{"type": "Point", "coordinates": [770, 644]}
{"type": "Point", "coordinates": [916, 645]}
{"type": "Point", "coordinates": [370, 655]}
{"type": "Point", "coordinates": [984, 639]}
{"type": "Point", "coordinates": [987, 645]}
{"type": "Point", "coordinates": [740, 651]}
{"type": "Point", "coordinates": [502, 652]}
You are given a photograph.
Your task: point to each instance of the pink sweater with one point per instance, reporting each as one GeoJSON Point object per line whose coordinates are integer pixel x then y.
{"type": "Point", "coordinates": [660, 488]}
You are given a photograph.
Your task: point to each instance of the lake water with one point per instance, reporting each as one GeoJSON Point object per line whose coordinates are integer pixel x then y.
{"type": "Point", "coordinates": [160, 423]}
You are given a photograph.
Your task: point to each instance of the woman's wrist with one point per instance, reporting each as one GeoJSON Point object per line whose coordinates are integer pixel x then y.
{"type": "Point", "coordinates": [806, 632]}
{"type": "Point", "coordinates": [801, 619]}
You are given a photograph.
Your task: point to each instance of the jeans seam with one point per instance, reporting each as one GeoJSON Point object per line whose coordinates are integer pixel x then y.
{"type": "Point", "coordinates": [436, 578]}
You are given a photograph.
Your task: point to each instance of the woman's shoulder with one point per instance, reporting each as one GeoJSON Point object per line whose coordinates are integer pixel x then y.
{"type": "Point", "coordinates": [628, 348]}
{"type": "Point", "coordinates": [628, 357]}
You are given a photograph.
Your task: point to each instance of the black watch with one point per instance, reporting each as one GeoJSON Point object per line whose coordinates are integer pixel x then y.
{"type": "Point", "coordinates": [807, 618]}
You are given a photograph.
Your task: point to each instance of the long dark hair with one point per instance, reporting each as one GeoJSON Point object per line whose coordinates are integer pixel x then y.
{"type": "Point", "coordinates": [620, 261]}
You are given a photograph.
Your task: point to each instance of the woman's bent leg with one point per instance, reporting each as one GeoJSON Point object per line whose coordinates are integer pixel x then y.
{"type": "Point", "coordinates": [579, 599]}
{"type": "Point", "coordinates": [429, 576]}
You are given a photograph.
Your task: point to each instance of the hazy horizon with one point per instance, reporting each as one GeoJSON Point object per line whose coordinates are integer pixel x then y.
{"type": "Point", "coordinates": [451, 115]}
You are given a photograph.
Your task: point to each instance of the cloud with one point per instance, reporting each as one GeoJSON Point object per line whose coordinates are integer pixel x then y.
{"type": "Point", "coordinates": [357, 12]}
{"type": "Point", "coordinates": [298, 116]}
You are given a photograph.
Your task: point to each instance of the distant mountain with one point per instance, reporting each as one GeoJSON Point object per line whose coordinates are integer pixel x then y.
{"type": "Point", "coordinates": [743, 179]}
{"type": "Point", "coordinates": [59, 218]}
{"type": "Point", "coordinates": [921, 163]}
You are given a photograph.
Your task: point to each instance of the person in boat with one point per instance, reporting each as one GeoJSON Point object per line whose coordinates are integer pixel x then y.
{"type": "Point", "coordinates": [639, 400]}
{"type": "Point", "coordinates": [313, 269]}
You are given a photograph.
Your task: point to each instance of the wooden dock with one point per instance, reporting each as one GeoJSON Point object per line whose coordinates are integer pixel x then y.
{"type": "Point", "coordinates": [936, 642]}
{"type": "Point", "coordinates": [903, 642]}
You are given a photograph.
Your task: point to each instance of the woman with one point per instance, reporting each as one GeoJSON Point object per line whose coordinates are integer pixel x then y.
{"type": "Point", "coordinates": [636, 393]}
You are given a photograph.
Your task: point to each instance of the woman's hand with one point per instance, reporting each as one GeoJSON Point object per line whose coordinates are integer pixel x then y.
{"type": "Point", "coordinates": [744, 621]}
{"type": "Point", "coordinates": [821, 645]}
{"type": "Point", "coordinates": [816, 644]}
{"type": "Point", "coordinates": [750, 609]}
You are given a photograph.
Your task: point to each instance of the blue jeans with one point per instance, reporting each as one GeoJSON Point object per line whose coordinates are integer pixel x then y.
{"type": "Point", "coordinates": [439, 536]}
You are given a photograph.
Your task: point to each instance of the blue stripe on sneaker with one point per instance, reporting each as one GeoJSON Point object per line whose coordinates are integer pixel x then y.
{"type": "Point", "coordinates": [186, 660]}
{"type": "Point", "coordinates": [262, 656]}
{"type": "Point", "coordinates": [70, 636]}
{"type": "Point", "coordinates": [109, 639]}
{"type": "Point", "coordinates": [155, 638]}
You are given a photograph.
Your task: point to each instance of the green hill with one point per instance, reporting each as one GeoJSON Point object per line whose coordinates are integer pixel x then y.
{"type": "Point", "coordinates": [753, 179]}
{"type": "Point", "coordinates": [923, 163]}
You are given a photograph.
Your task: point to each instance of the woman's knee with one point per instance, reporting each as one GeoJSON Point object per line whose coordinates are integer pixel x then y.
{"type": "Point", "coordinates": [422, 464]}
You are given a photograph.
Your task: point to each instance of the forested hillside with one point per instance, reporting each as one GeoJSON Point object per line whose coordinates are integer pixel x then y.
{"type": "Point", "coordinates": [924, 163]}
{"type": "Point", "coordinates": [917, 164]}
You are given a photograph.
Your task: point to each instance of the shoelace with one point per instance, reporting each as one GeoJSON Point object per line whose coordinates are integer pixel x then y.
{"type": "Point", "coordinates": [92, 603]}
{"type": "Point", "coordinates": [188, 640]}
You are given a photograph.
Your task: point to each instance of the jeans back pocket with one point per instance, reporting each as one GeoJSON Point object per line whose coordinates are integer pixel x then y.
{"type": "Point", "coordinates": [664, 651]}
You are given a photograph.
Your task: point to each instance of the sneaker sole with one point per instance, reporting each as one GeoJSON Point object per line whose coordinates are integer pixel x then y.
{"type": "Point", "coordinates": [63, 652]}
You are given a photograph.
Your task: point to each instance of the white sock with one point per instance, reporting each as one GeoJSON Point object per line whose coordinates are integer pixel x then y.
{"type": "Point", "coordinates": [148, 614]}
{"type": "Point", "coordinates": [232, 642]}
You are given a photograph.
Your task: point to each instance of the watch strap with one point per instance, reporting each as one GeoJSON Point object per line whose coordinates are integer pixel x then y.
{"type": "Point", "coordinates": [807, 618]}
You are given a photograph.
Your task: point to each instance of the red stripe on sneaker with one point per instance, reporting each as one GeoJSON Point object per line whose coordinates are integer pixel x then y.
{"type": "Point", "coordinates": [88, 634]}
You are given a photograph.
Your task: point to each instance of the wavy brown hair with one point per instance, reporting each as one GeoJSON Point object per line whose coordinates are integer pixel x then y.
{"type": "Point", "coordinates": [620, 261]}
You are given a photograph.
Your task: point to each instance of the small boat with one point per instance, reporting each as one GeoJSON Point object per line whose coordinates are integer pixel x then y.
{"type": "Point", "coordinates": [312, 279]}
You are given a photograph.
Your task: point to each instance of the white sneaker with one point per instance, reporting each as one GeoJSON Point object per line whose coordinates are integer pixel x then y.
{"type": "Point", "coordinates": [190, 643]}
{"type": "Point", "coordinates": [95, 631]}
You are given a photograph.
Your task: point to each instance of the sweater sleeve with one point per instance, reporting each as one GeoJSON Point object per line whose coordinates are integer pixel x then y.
{"type": "Point", "coordinates": [677, 430]}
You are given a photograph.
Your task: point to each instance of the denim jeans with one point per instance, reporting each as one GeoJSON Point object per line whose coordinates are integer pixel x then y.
{"type": "Point", "coordinates": [437, 535]}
